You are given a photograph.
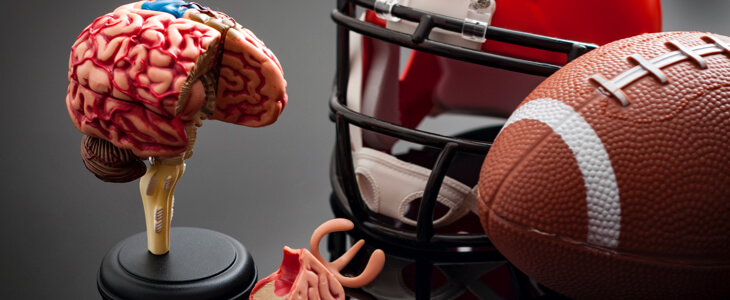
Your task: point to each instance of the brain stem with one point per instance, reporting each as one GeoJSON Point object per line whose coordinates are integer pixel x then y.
{"type": "Point", "coordinates": [157, 187]}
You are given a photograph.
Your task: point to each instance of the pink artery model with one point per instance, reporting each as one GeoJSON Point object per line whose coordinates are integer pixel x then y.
{"type": "Point", "coordinates": [308, 276]}
{"type": "Point", "coordinates": [142, 79]}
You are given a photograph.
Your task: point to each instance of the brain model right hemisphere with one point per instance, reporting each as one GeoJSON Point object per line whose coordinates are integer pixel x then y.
{"type": "Point", "coordinates": [143, 78]}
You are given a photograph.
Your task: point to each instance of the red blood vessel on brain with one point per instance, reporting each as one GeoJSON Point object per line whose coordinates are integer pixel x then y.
{"type": "Point", "coordinates": [612, 179]}
{"type": "Point", "coordinates": [143, 78]}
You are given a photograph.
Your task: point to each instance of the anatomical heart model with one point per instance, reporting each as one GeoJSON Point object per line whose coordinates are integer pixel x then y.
{"type": "Point", "coordinates": [305, 275]}
{"type": "Point", "coordinates": [143, 78]}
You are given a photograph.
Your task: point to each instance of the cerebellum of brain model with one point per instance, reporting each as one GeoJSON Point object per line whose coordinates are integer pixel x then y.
{"type": "Point", "coordinates": [144, 77]}
{"type": "Point", "coordinates": [110, 163]}
{"type": "Point", "coordinates": [612, 180]}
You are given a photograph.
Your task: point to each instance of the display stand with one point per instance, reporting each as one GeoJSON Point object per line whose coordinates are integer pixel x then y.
{"type": "Point", "coordinates": [202, 264]}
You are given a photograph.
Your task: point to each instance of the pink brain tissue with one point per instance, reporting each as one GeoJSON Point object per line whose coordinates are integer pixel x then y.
{"type": "Point", "coordinates": [143, 79]}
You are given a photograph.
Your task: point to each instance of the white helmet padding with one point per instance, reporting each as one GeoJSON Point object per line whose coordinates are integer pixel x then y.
{"type": "Point", "coordinates": [387, 184]}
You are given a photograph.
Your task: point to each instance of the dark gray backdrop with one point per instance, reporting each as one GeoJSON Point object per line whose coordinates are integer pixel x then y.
{"type": "Point", "coordinates": [265, 187]}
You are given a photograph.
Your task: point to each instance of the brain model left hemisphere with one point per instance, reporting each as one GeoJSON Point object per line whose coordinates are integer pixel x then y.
{"type": "Point", "coordinates": [143, 78]}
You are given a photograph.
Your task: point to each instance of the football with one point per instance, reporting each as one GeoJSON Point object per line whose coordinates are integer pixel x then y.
{"type": "Point", "coordinates": [612, 178]}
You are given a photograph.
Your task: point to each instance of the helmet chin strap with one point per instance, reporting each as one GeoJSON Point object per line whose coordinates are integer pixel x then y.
{"type": "Point", "coordinates": [387, 184]}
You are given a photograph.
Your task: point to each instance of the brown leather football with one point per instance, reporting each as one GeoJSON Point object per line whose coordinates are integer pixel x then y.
{"type": "Point", "coordinates": [612, 179]}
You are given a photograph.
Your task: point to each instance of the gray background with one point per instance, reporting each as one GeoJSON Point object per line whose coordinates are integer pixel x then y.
{"type": "Point", "coordinates": [265, 187]}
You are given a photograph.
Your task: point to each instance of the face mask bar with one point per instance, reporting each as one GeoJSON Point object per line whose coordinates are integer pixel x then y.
{"type": "Point", "coordinates": [344, 17]}
{"type": "Point", "coordinates": [342, 175]}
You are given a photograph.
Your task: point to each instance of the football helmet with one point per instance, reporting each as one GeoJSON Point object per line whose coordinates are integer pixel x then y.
{"type": "Point", "coordinates": [463, 57]}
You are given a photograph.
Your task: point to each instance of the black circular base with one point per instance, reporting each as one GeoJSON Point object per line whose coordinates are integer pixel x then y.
{"type": "Point", "coordinates": [201, 264]}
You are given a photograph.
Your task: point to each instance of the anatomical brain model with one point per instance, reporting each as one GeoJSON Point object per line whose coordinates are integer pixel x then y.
{"type": "Point", "coordinates": [143, 78]}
